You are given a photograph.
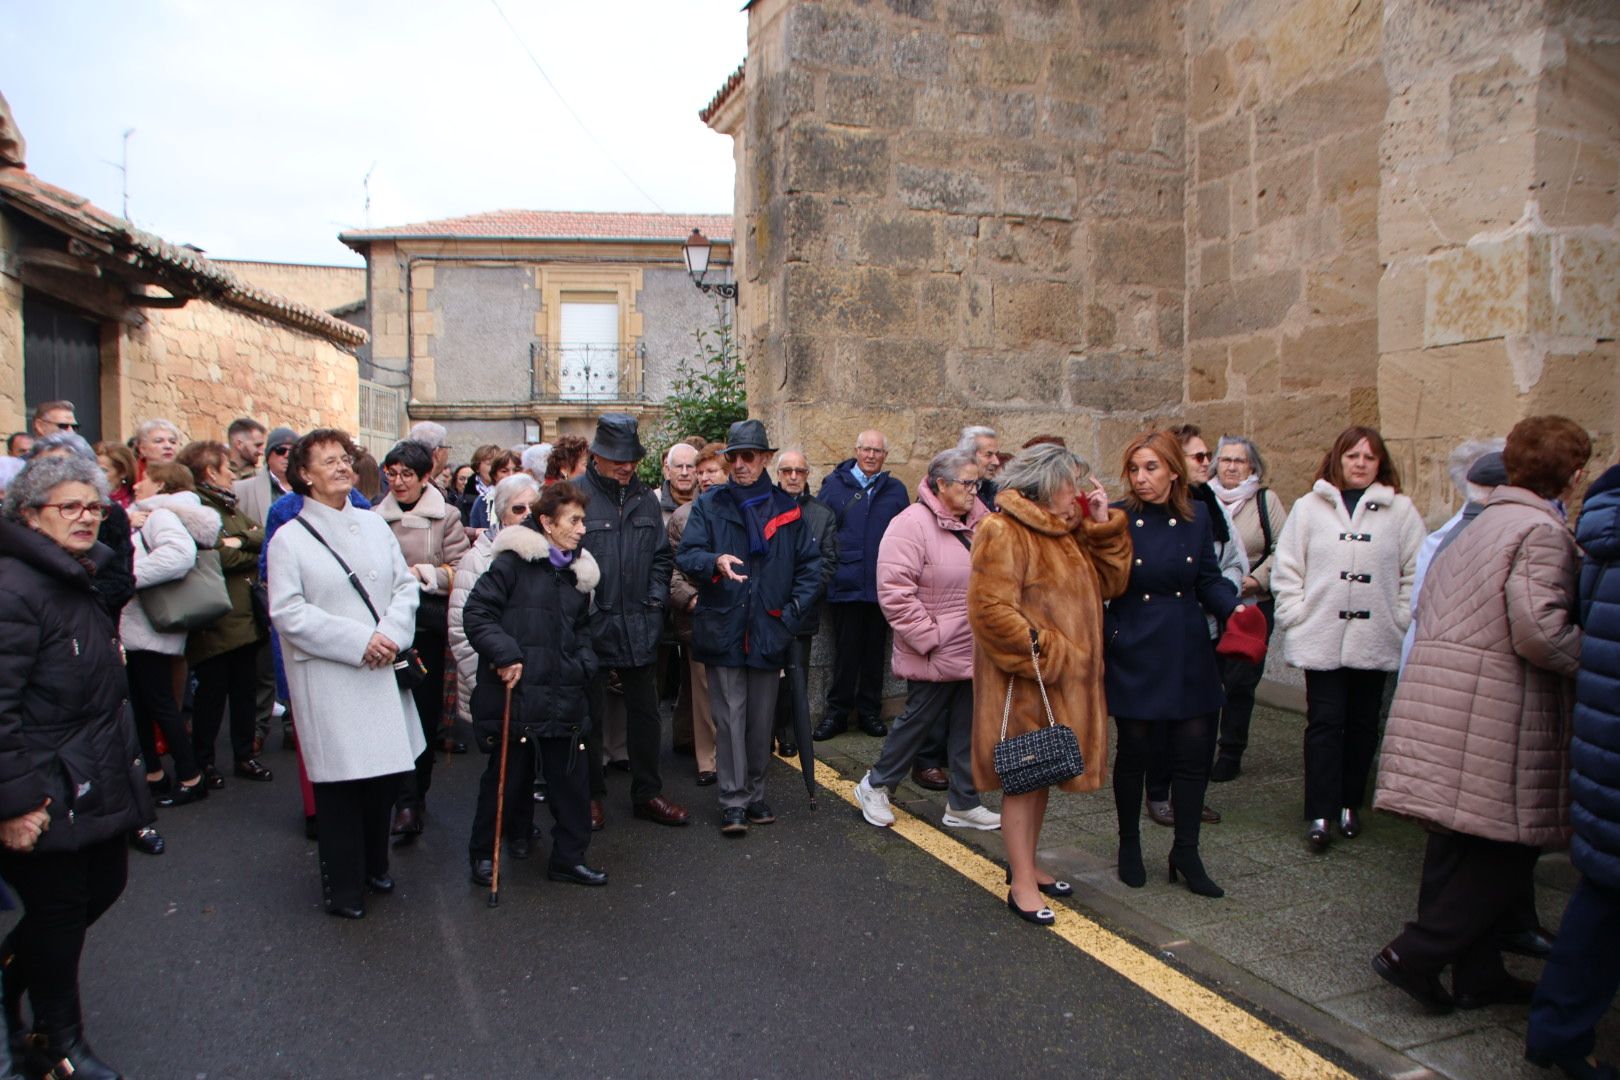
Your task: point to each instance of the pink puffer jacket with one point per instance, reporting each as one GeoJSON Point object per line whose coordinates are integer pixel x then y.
{"type": "Point", "coordinates": [922, 581]}
{"type": "Point", "coordinates": [1478, 737]}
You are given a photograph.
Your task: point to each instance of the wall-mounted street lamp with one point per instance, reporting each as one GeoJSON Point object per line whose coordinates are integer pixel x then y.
{"type": "Point", "coordinates": [696, 253]}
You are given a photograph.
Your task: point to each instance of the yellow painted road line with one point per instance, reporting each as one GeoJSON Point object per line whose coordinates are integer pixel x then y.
{"type": "Point", "coordinates": [1245, 1032]}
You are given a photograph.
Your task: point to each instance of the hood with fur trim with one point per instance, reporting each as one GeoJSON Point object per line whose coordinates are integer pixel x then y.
{"type": "Point", "coordinates": [201, 522]}
{"type": "Point", "coordinates": [431, 506]}
{"type": "Point", "coordinates": [531, 545]}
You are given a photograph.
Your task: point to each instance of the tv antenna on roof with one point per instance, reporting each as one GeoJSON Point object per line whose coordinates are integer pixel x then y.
{"type": "Point", "coordinates": [366, 183]}
{"type": "Point", "coordinates": [123, 170]}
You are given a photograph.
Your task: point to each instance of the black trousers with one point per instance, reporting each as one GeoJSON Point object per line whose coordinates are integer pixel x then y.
{"type": "Point", "coordinates": [429, 698]}
{"type": "Point", "coordinates": [561, 761]}
{"type": "Point", "coordinates": [1341, 738]}
{"type": "Point", "coordinates": [1580, 978]}
{"type": "Point", "coordinates": [1470, 891]}
{"type": "Point", "coordinates": [151, 696]}
{"type": "Point", "coordinates": [1183, 743]}
{"type": "Point", "coordinates": [63, 894]}
{"type": "Point", "coordinates": [353, 838]}
{"type": "Point", "coordinates": [643, 732]}
{"type": "Point", "coordinates": [233, 678]}
{"type": "Point", "coordinates": [1239, 678]}
{"type": "Point", "coordinates": [860, 635]}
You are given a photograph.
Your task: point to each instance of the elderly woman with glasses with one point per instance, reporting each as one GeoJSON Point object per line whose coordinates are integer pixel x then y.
{"type": "Point", "coordinates": [72, 783]}
{"type": "Point", "coordinates": [340, 635]}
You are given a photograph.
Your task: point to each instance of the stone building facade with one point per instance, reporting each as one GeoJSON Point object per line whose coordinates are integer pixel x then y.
{"type": "Point", "coordinates": [1266, 217]}
{"type": "Point", "coordinates": [130, 327]}
{"type": "Point", "coordinates": [514, 326]}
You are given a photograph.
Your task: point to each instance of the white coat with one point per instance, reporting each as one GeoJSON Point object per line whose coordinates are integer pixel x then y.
{"type": "Point", "coordinates": [165, 550]}
{"type": "Point", "coordinates": [1322, 555]}
{"type": "Point", "coordinates": [354, 721]}
{"type": "Point", "coordinates": [468, 571]}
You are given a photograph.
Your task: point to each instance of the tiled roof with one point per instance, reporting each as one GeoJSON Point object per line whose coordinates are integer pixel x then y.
{"type": "Point", "coordinates": [552, 225]}
{"type": "Point", "coordinates": [151, 258]}
{"type": "Point", "coordinates": [722, 95]}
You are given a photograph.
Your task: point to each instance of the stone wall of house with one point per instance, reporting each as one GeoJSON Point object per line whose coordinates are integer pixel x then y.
{"type": "Point", "coordinates": [963, 212]}
{"type": "Point", "coordinates": [1499, 226]}
{"type": "Point", "coordinates": [12, 414]}
{"type": "Point", "coordinates": [202, 366]}
{"type": "Point", "coordinates": [320, 287]}
{"type": "Point", "coordinates": [1285, 106]}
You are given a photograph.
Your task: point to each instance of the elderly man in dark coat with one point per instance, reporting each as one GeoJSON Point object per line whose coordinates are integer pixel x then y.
{"type": "Point", "coordinates": [1580, 979]}
{"type": "Point", "coordinates": [865, 499]}
{"type": "Point", "coordinates": [624, 532]}
{"type": "Point", "coordinates": [758, 568]}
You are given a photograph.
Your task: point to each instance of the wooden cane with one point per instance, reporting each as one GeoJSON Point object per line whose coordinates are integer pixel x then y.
{"type": "Point", "coordinates": [500, 802]}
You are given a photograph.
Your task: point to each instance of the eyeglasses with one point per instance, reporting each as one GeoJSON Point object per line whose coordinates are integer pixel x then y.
{"type": "Point", "coordinates": [74, 509]}
{"type": "Point", "coordinates": [1202, 457]}
{"type": "Point", "coordinates": [400, 475]}
{"type": "Point", "coordinates": [333, 462]}
{"type": "Point", "coordinates": [1232, 461]}
{"type": "Point", "coordinates": [872, 450]}
{"type": "Point", "coordinates": [962, 483]}
{"type": "Point", "coordinates": [788, 470]}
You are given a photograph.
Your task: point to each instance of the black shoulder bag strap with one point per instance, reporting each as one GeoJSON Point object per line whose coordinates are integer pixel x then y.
{"type": "Point", "coordinates": [359, 588]}
{"type": "Point", "coordinates": [1265, 528]}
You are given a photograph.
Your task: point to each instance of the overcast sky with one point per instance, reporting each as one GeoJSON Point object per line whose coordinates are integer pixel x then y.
{"type": "Point", "coordinates": [255, 123]}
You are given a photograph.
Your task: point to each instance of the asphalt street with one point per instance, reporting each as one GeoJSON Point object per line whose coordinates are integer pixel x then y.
{"type": "Point", "coordinates": [815, 947]}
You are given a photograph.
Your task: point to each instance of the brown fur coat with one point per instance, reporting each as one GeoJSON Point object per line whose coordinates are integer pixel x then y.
{"type": "Point", "coordinates": [1030, 571]}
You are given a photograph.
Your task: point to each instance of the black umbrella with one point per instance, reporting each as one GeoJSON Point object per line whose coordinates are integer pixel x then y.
{"type": "Point", "coordinates": [799, 687]}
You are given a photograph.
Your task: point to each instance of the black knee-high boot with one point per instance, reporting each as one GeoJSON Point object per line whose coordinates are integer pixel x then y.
{"type": "Point", "coordinates": [1189, 747]}
{"type": "Point", "coordinates": [1130, 763]}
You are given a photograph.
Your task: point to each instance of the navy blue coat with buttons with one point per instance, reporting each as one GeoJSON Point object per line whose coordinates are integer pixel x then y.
{"type": "Point", "coordinates": [1595, 748]}
{"type": "Point", "coordinates": [863, 517]}
{"type": "Point", "coordinates": [1160, 662]}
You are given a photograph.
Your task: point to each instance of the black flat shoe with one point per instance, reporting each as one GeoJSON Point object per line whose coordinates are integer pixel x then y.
{"type": "Point", "coordinates": [65, 1053]}
{"type": "Point", "coordinates": [734, 822]}
{"type": "Point", "coordinates": [381, 884]}
{"type": "Point", "coordinates": [1349, 823]}
{"type": "Point", "coordinates": [579, 874]}
{"type": "Point", "coordinates": [1058, 889]}
{"type": "Point", "coordinates": [1041, 916]}
{"type": "Point", "coordinates": [1426, 990]}
{"type": "Point", "coordinates": [483, 872]}
{"type": "Point", "coordinates": [1536, 944]}
{"type": "Point", "coordinates": [760, 813]}
{"type": "Point", "coordinates": [254, 769]}
{"type": "Point", "coordinates": [1186, 863]}
{"type": "Point", "coordinates": [1225, 769]}
{"type": "Point", "coordinates": [828, 729]}
{"type": "Point", "coordinates": [212, 778]}
{"type": "Point", "coordinates": [184, 795]}
{"type": "Point", "coordinates": [788, 749]}
{"type": "Point", "coordinates": [707, 778]}
{"type": "Point", "coordinates": [520, 847]}
{"type": "Point", "coordinates": [875, 728]}
{"type": "Point", "coordinates": [147, 840]}
{"type": "Point", "coordinates": [356, 912]}
{"type": "Point", "coordinates": [1316, 835]}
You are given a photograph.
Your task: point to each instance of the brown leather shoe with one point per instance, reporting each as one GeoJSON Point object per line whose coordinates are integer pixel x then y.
{"type": "Point", "coordinates": [598, 815]}
{"type": "Point", "coordinates": [1160, 813]}
{"type": "Point", "coordinates": [1211, 816]}
{"type": "Point", "coordinates": [930, 779]}
{"type": "Point", "coordinates": [662, 811]}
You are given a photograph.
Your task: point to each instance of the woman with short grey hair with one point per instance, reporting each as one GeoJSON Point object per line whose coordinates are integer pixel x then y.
{"type": "Point", "coordinates": [514, 497]}
{"type": "Point", "coordinates": [156, 441]}
{"type": "Point", "coordinates": [923, 567]}
{"type": "Point", "coordinates": [1258, 515]}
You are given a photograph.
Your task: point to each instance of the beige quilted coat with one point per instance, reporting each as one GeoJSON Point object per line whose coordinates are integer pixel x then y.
{"type": "Point", "coordinates": [1478, 738]}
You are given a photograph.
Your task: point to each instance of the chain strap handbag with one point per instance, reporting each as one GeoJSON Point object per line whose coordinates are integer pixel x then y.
{"type": "Point", "coordinates": [409, 669]}
{"type": "Point", "coordinates": [1040, 758]}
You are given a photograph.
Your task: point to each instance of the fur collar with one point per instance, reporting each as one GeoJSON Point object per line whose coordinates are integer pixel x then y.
{"type": "Point", "coordinates": [430, 506]}
{"type": "Point", "coordinates": [1026, 512]}
{"type": "Point", "coordinates": [1379, 495]}
{"type": "Point", "coordinates": [530, 545]}
{"type": "Point", "coordinates": [200, 521]}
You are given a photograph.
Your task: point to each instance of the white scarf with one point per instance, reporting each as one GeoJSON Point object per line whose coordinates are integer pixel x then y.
{"type": "Point", "coordinates": [1234, 498]}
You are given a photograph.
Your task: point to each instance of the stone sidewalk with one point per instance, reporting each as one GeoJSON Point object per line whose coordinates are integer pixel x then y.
{"type": "Point", "coordinates": [1296, 931]}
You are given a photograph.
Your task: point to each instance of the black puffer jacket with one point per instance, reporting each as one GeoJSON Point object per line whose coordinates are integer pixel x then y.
{"type": "Point", "coordinates": [624, 532]}
{"type": "Point", "coordinates": [823, 525]}
{"type": "Point", "coordinates": [66, 733]}
{"type": "Point", "coordinates": [115, 566]}
{"type": "Point", "coordinates": [525, 610]}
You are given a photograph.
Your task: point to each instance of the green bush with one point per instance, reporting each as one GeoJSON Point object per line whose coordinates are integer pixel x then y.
{"type": "Point", "coordinates": [708, 396]}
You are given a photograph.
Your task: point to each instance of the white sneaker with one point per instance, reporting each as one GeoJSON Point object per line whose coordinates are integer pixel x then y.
{"type": "Point", "coordinates": [976, 818]}
{"type": "Point", "coordinates": [278, 710]}
{"type": "Point", "coordinates": [874, 803]}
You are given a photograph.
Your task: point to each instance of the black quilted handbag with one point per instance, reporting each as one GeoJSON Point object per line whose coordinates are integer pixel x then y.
{"type": "Point", "coordinates": [1040, 758]}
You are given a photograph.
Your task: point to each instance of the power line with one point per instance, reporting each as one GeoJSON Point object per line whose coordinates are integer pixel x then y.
{"type": "Point", "coordinates": [564, 102]}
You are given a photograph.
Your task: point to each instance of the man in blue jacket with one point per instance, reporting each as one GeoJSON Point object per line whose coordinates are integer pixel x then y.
{"type": "Point", "coordinates": [757, 567]}
{"type": "Point", "coordinates": [865, 499]}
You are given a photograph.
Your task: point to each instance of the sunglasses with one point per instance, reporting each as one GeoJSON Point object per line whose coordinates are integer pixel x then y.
{"type": "Point", "coordinates": [790, 471]}
{"type": "Point", "coordinates": [282, 450]}
{"type": "Point", "coordinates": [1202, 457]}
{"type": "Point", "coordinates": [747, 457]}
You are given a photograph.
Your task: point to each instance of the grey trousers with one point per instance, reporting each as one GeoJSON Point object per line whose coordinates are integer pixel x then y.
{"type": "Point", "coordinates": [743, 704]}
{"type": "Point", "coordinates": [265, 693]}
{"type": "Point", "coordinates": [926, 703]}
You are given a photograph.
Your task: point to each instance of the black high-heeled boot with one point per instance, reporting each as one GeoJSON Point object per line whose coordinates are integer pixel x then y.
{"type": "Point", "coordinates": [1131, 871]}
{"type": "Point", "coordinates": [63, 1054]}
{"type": "Point", "coordinates": [1185, 861]}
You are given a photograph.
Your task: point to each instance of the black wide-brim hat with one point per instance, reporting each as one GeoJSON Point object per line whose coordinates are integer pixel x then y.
{"type": "Point", "coordinates": [617, 438]}
{"type": "Point", "coordinates": [748, 435]}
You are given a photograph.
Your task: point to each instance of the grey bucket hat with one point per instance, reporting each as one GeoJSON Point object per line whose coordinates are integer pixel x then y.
{"type": "Point", "coordinates": [748, 435]}
{"type": "Point", "coordinates": [617, 438]}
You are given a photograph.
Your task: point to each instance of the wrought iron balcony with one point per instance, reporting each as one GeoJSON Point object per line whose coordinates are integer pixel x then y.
{"type": "Point", "coordinates": [561, 373]}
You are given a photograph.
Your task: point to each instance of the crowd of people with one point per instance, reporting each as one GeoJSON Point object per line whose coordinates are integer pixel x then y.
{"type": "Point", "coordinates": [543, 600]}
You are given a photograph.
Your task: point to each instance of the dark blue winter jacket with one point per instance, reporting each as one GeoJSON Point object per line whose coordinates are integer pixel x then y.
{"type": "Point", "coordinates": [1595, 748]}
{"type": "Point", "coordinates": [863, 515]}
{"type": "Point", "coordinates": [749, 623]}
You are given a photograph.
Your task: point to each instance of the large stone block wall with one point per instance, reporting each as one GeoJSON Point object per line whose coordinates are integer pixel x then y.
{"type": "Point", "coordinates": [12, 415]}
{"type": "Point", "coordinates": [1499, 226]}
{"type": "Point", "coordinates": [960, 213]}
{"type": "Point", "coordinates": [1286, 106]}
{"type": "Point", "coordinates": [201, 366]}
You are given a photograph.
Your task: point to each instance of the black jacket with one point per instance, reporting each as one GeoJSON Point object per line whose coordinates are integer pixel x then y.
{"type": "Point", "coordinates": [863, 516]}
{"type": "Point", "coordinates": [524, 610]}
{"type": "Point", "coordinates": [66, 732]}
{"type": "Point", "coordinates": [823, 525]}
{"type": "Point", "coordinates": [624, 532]}
{"type": "Point", "coordinates": [115, 567]}
{"type": "Point", "coordinates": [749, 623]}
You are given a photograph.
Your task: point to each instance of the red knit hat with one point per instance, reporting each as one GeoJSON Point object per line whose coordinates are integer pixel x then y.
{"type": "Point", "coordinates": [1245, 636]}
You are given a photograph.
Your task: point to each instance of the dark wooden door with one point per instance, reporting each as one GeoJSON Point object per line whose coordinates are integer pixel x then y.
{"type": "Point", "coordinates": [62, 360]}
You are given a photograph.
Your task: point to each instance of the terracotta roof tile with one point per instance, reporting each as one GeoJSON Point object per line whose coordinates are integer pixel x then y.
{"type": "Point", "coordinates": [151, 256]}
{"type": "Point", "coordinates": [553, 225]}
{"type": "Point", "coordinates": [722, 95]}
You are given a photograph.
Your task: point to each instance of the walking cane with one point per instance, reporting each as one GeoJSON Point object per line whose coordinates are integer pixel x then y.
{"type": "Point", "coordinates": [500, 802]}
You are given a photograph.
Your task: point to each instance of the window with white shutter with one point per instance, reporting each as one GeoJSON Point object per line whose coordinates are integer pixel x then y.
{"type": "Point", "coordinates": [589, 350]}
